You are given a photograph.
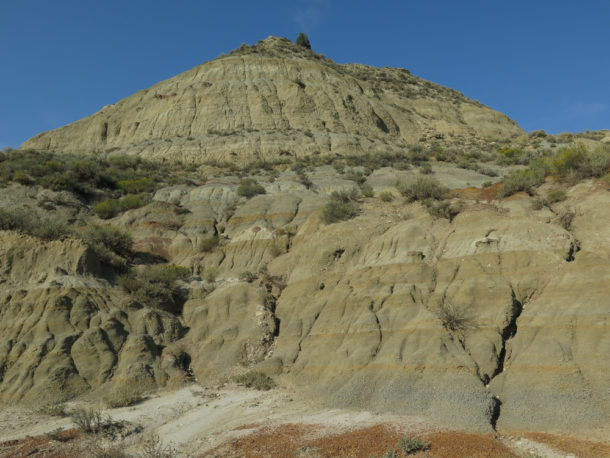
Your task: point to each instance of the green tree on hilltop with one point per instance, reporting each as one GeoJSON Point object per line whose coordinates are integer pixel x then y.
{"type": "Point", "coordinates": [303, 40]}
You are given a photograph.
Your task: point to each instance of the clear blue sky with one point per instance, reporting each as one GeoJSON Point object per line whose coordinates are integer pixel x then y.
{"type": "Point", "coordinates": [544, 63]}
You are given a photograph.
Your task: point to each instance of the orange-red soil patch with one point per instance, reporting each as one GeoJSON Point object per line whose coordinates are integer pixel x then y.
{"type": "Point", "coordinates": [313, 441]}
{"type": "Point", "coordinates": [483, 194]}
{"type": "Point", "coordinates": [40, 446]}
{"type": "Point", "coordinates": [578, 447]}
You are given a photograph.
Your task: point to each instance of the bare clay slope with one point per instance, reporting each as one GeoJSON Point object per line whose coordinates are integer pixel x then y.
{"type": "Point", "coordinates": [351, 312]}
{"type": "Point", "coordinates": [274, 99]}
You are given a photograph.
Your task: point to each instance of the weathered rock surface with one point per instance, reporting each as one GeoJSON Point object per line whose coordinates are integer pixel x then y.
{"type": "Point", "coordinates": [277, 99]}
{"type": "Point", "coordinates": [358, 312]}
{"type": "Point", "coordinates": [495, 319]}
{"type": "Point", "coordinates": [65, 331]}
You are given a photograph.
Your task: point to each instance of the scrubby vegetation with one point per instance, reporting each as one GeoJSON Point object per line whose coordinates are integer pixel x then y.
{"type": "Point", "coordinates": [444, 209]}
{"type": "Point", "coordinates": [557, 195]}
{"type": "Point", "coordinates": [83, 175]}
{"type": "Point", "coordinates": [248, 188]}
{"type": "Point", "coordinates": [124, 396]}
{"type": "Point", "coordinates": [255, 379]}
{"type": "Point", "coordinates": [109, 208]}
{"type": "Point", "coordinates": [209, 243]}
{"type": "Point", "coordinates": [156, 286]}
{"type": "Point", "coordinates": [411, 445]}
{"type": "Point", "coordinates": [570, 164]}
{"type": "Point", "coordinates": [114, 184]}
{"type": "Point", "coordinates": [28, 223]}
{"type": "Point", "coordinates": [342, 206]}
{"type": "Point", "coordinates": [454, 318]}
{"type": "Point", "coordinates": [422, 188]}
{"type": "Point", "coordinates": [111, 245]}
{"type": "Point", "coordinates": [89, 420]}
{"type": "Point", "coordinates": [386, 196]}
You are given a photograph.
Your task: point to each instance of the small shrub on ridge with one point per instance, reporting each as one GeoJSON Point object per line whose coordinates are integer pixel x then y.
{"type": "Point", "coordinates": [249, 188]}
{"type": "Point", "coordinates": [412, 444]}
{"type": "Point", "coordinates": [255, 379]}
{"type": "Point", "coordinates": [341, 207]}
{"type": "Point", "coordinates": [423, 188]}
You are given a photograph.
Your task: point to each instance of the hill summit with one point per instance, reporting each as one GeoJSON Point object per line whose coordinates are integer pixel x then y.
{"type": "Point", "coordinates": [278, 98]}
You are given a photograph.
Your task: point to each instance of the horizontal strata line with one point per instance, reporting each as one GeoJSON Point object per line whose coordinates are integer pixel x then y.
{"type": "Point", "coordinates": [336, 370]}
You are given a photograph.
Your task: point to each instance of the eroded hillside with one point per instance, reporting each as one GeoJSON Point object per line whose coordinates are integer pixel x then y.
{"type": "Point", "coordinates": [278, 99]}
{"type": "Point", "coordinates": [474, 311]}
{"type": "Point", "coordinates": [366, 238]}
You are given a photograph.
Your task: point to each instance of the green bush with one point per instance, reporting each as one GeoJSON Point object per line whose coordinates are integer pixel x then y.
{"type": "Point", "coordinates": [367, 190]}
{"type": "Point", "coordinates": [107, 208]}
{"type": "Point", "coordinates": [412, 444]}
{"type": "Point", "coordinates": [557, 195]}
{"type": "Point", "coordinates": [111, 245]}
{"type": "Point", "coordinates": [512, 155]}
{"type": "Point", "coordinates": [386, 196]}
{"type": "Point", "coordinates": [425, 168]}
{"type": "Point", "coordinates": [599, 161]}
{"type": "Point", "coordinates": [131, 201]}
{"type": "Point", "coordinates": [21, 177]}
{"type": "Point", "coordinates": [521, 181]}
{"type": "Point", "coordinates": [48, 229]}
{"type": "Point", "coordinates": [110, 238]}
{"type": "Point", "coordinates": [22, 221]}
{"type": "Point", "coordinates": [157, 287]}
{"type": "Point", "coordinates": [249, 188]}
{"type": "Point", "coordinates": [356, 176]}
{"type": "Point", "coordinates": [137, 185]}
{"type": "Point", "coordinates": [341, 207]}
{"type": "Point", "coordinates": [423, 188]}
{"type": "Point", "coordinates": [444, 209]}
{"type": "Point", "coordinates": [209, 243]}
{"type": "Point", "coordinates": [255, 379]}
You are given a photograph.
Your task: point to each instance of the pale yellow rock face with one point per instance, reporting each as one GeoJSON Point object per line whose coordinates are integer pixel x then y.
{"type": "Point", "coordinates": [359, 318]}
{"type": "Point", "coordinates": [272, 100]}
{"type": "Point", "coordinates": [352, 312]}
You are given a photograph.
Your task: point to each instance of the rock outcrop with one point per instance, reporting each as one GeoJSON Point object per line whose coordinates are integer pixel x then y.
{"type": "Point", "coordinates": [277, 99]}
{"type": "Point", "coordinates": [498, 318]}
{"type": "Point", "coordinates": [65, 331]}
{"type": "Point", "coordinates": [494, 318]}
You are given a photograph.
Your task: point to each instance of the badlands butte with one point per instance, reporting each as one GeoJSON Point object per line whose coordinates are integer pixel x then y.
{"type": "Point", "coordinates": [369, 239]}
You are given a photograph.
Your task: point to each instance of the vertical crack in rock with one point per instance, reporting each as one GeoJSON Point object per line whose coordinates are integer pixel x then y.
{"type": "Point", "coordinates": [495, 412]}
{"type": "Point", "coordinates": [315, 318]}
{"type": "Point", "coordinates": [372, 309]}
{"type": "Point", "coordinates": [274, 286]}
{"type": "Point", "coordinates": [509, 331]}
{"type": "Point", "coordinates": [574, 248]}
{"type": "Point", "coordinates": [296, 211]}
